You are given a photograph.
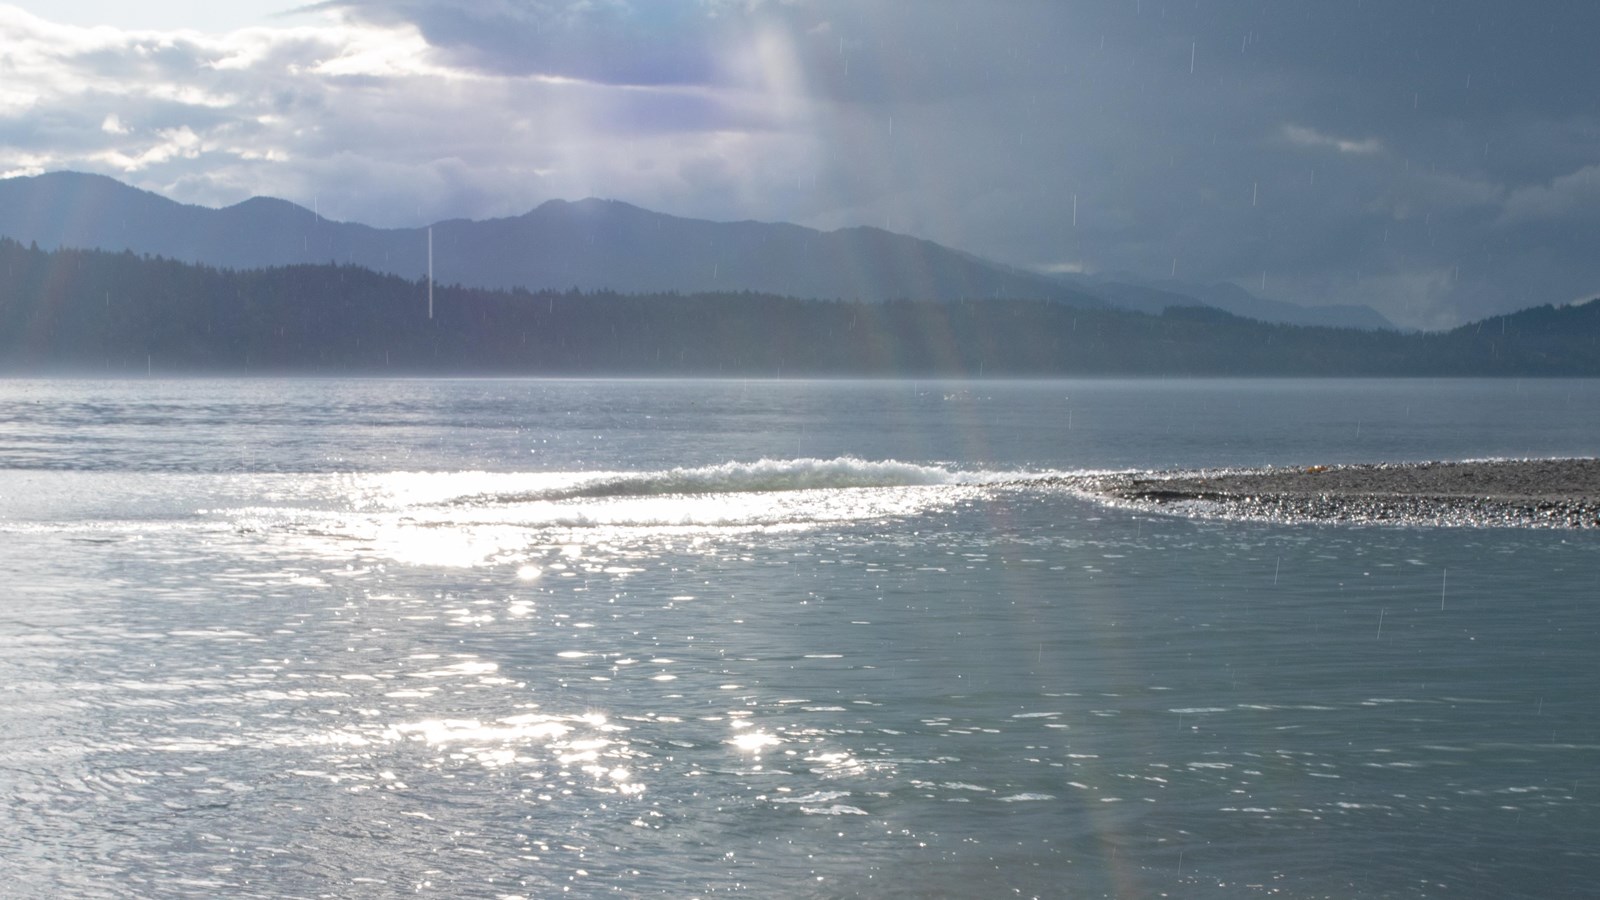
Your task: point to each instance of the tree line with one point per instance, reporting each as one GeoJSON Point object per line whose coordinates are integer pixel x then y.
{"type": "Point", "coordinates": [95, 311]}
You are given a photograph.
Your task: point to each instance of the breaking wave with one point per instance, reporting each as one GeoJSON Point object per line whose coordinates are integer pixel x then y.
{"type": "Point", "coordinates": [762, 476]}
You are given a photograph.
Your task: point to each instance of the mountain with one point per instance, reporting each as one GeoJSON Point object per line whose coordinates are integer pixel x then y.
{"type": "Point", "coordinates": [1130, 292]}
{"type": "Point", "coordinates": [589, 244]}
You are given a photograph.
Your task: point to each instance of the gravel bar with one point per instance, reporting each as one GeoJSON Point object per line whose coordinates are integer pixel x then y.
{"type": "Point", "coordinates": [1539, 493]}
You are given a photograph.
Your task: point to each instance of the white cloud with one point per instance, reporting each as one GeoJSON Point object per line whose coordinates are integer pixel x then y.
{"type": "Point", "coordinates": [1062, 268]}
{"type": "Point", "coordinates": [407, 133]}
{"type": "Point", "coordinates": [1310, 137]}
{"type": "Point", "coordinates": [163, 14]}
{"type": "Point", "coordinates": [24, 166]}
{"type": "Point", "coordinates": [169, 144]}
{"type": "Point", "coordinates": [1570, 195]}
{"type": "Point", "coordinates": [393, 53]}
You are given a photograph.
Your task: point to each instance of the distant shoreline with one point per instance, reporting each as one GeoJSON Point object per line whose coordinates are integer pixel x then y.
{"type": "Point", "coordinates": [121, 314]}
{"type": "Point", "coordinates": [1539, 493]}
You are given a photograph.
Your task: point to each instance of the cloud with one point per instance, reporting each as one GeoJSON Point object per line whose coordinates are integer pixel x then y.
{"type": "Point", "coordinates": [1575, 195]}
{"type": "Point", "coordinates": [605, 41]}
{"type": "Point", "coordinates": [1310, 137]}
{"type": "Point", "coordinates": [371, 102]}
{"type": "Point", "coordinates": [1072, 267]}
{"type": "Point", "coordinates": [1328, 145]}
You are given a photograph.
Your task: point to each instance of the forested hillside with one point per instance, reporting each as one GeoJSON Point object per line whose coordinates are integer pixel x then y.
{"type": "Point", "coordinates": [91, 311]}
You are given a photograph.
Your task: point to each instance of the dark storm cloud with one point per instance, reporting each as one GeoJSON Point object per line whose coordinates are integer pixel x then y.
{"type": "Point", "coordinates": [1351, 152]}
{"type": "Point", "coordinates": [1433, 159]}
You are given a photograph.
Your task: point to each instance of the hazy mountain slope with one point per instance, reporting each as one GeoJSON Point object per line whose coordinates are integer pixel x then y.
{"type": "Point", "coordinates": [590, 244]}
{"type": "Point", "coordinates": [1128, 292]}
{"type": "Point", "coordinates": [1241, 302]}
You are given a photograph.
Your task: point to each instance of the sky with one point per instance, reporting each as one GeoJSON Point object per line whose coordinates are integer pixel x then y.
{"type": "Point", "coordinates": [1438, 160]}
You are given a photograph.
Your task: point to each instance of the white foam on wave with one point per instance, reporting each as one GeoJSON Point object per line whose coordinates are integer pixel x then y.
{"type": "Point", "coordinates": [761, 476]}
{"type": "Point", "coordinates": [472, 518]}
{"type": "Point", "coordinates": [838, 809]}
{"type": "Point", "coordinates": [815, 797]}
{"type": "Point", "coordinates": [411, 491]}
{"type": "Point", "coordinates": [765, 476]}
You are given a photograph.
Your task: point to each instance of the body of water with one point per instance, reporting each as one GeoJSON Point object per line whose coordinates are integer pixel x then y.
{"type": "Point", "coordinates": [307, 638]}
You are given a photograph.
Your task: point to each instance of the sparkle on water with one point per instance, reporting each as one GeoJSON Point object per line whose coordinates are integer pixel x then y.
{"type": "Point", "coordinates": [401, 659]}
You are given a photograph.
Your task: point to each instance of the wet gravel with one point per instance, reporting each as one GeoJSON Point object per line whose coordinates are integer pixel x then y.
{"type": "Point", "coordinates": [1544, 493]}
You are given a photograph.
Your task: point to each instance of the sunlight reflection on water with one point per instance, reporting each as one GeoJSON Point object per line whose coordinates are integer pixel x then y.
{"type": "Point", "coordinates": [405, 517]}
{"type": "Point", "coordinates": [484, 683]}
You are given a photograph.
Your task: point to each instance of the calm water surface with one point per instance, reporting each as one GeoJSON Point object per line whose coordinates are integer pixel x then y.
{"type": "Point", "coordinates": [828, 639]}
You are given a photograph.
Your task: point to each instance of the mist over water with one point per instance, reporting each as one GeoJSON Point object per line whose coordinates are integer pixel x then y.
{"type": "Point", "coordinates": [510, 638]}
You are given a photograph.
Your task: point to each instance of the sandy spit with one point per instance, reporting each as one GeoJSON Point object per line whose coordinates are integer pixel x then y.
{"type": "Point", "coordinates": [1548, 493]}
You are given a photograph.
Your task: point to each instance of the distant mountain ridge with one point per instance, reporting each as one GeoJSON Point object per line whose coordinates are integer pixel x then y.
{"type": "Point", "coordinates": [590, 245]}
{"type": "Point", "coordinates": [1131, 292]}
